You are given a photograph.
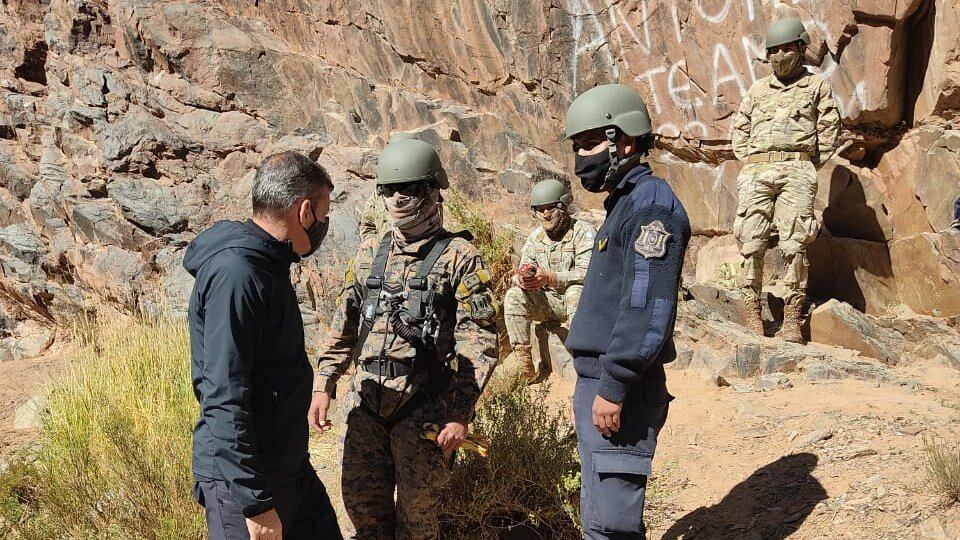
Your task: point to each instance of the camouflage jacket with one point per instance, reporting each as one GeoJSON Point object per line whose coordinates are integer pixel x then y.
{"type": "Point", "coordinates": [568, 257]}
{"type": "Point", "coordinates": [798, 117]}
{"type": "Point", "coordinates": [467, 346]}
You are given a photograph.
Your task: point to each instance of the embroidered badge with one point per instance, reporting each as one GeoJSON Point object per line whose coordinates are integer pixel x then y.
{"type": "Point", "coordinates": [652, 242]}
{"type": "Point", "coordinates": [602, 246]}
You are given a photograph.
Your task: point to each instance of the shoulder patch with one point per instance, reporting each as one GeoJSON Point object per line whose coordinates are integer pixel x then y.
{"type": "Point", "coordinates": [652, 241]}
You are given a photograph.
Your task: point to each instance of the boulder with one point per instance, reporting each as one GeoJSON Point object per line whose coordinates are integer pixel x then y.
{"type": "Point", "coordinates": [136, 141]}
{"type": "Point", "coordinates": [29, 415]}
{"type": "Point", "coordinates": [836, 323]}
{"type": "Point", "coordinates": [22, 242]}
{"type": "Point", "coordinates": [101, 222]}
{"type": "Point", "coordinates": [927, 267]}
{"type": "Point", "coordinates": [156, 208]}
{"type": "Point", "coordinates": [918, 180]}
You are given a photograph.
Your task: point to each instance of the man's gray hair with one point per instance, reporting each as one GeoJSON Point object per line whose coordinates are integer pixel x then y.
{"type": "Point", "coordinates": [284, 178]}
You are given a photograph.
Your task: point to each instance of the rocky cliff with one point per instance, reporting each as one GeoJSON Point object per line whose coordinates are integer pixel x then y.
{"type": "Point", "coordinates": [126, 126]}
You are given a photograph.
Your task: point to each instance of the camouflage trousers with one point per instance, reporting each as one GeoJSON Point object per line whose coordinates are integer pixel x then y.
{"type": "Point", "coordinates": [522, 306]}
{"type": "Point", "coordinates": [382, 455]}
{"type": "Point", "coordinates": [777, 195]}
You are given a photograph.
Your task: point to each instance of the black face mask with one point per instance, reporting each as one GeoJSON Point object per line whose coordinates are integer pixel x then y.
{"type": "Point", "coordinates": [592, 170]}
{"type": "Point", "coordinates": [316, 233]}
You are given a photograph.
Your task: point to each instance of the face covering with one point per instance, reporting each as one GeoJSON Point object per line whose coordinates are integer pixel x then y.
{"type": "Point", "coordinates": [316, 233]}
{"type": "Point", "coordinates": [592, 170]}
{"type": "Point", "coordinates": [555, 222]}
{"type": "Point", "coordinates": [414, 218]}
{"type": "Point", "coordinates": [785, 64]}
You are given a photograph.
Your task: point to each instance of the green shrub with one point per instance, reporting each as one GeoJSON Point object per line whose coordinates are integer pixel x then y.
{"type": "Point", "coordinates": [943, 466]}
{"type": "Point", "coordinates": [113, 457]}
{"type": "Point", "coordinates": [530, 480]}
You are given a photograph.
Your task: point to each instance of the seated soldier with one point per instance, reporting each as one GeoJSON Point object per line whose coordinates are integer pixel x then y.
{"type": "Point", "coordinates": [552, 266]}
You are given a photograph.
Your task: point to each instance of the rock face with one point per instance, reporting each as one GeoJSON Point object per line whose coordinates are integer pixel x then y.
{"type": "Point", "coordinates": [128, 126]}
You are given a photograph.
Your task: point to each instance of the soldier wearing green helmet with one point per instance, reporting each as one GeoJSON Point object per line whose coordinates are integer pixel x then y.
{"type": "Point", "coordinates": [412, 302]}
{"type": "Point", "coordinates": [622, 334]}
{"type": "Point", "coordinates": [548, 282]}
{"type": "Point", "coordinates": [788, 125]}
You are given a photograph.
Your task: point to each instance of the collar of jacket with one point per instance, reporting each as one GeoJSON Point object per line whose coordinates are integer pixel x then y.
{"type": "Point", "coordinates": [626, 185]}
{"type": "Point", "coordinates": [802, 81]}
{"type": "Point", "coordinates": [284, 250]}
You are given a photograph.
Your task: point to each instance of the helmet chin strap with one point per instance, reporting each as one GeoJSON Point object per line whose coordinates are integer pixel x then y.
{"type": "Point", "coordinates": [612, 153]}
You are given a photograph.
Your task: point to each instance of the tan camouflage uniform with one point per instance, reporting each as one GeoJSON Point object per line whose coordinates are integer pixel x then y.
{"type": "Point", "coordinates": [569, 258]}
{"type": "Point", "coordinates": [782, 133]}
{"type": "Point", "coordinates": [374, 219]}
{"type": "Point", "coordinates": [381, 451]}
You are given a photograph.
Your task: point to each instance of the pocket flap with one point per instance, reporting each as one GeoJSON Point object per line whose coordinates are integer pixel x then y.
{"type": "Point", "coordinates": [622, 462]}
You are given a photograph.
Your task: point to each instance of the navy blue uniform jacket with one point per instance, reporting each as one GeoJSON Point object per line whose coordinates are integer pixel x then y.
{"type": "Point", "coordinates": [250, 371]}
{"type": "Point", "coordinates": [622, 332]}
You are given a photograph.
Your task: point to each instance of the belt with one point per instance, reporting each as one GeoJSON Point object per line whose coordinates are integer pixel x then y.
{"type": "Point", "coordinates": [390, 369]}
{"type": "Point", "coordinates": [771, 157]}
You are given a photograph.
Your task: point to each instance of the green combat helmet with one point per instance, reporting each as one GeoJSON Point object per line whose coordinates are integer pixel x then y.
{"type": "Point", "coordinates": [612, 107]}
{"type": "Point", "coordinates": [608, 105]}
{"type": "Point", "coordinates": [410, 160]}
{"type": "Point", "coordinates": [787, 31]}
{"type": "Point", "coordinates": [548, 192]}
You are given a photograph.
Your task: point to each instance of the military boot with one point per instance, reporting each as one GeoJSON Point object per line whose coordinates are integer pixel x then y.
{"type": "Point", "coordinates": [792, 317]}
{"type": "Point", "coordinates": [752, 315]}
{"type": "Point", "coordinates": [523, 354]}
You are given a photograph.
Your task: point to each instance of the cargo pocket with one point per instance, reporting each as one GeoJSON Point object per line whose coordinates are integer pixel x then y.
{"type": "Point", "coordinates": [620, 485]}
{"type": "Point", "coordinates": [738, 224]}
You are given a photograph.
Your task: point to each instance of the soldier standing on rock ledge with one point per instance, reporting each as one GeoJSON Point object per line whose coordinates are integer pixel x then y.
{"type": "Point", "coordinates": [416, 318]}
{"type": "Point", "coordinates": [555, 257]}
{"type": "Point", "coordinates": [786, 128]}
{"type": "Point", "coordinates": [623, 331]}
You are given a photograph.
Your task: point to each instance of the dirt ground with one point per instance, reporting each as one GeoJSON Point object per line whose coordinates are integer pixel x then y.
{"type": "Point", "coordinates": [836, 460]}
{"type": "Point", "coordinates": [831, 460]}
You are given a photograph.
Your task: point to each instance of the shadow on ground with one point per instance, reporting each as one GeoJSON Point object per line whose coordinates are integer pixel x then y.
{"type": "Point", "coordinates": [769, 505]}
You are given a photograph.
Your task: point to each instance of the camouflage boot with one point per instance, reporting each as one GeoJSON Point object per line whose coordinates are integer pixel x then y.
{"type": "Point", "coordinates": [752, 315]}
{"type": "Point", "coordinates": [524, 356]}
{"type": "Point", "coordinates": [792, 317]}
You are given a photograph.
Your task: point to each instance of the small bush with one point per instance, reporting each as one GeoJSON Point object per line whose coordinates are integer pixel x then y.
{"type": "Point", "coordinates": [943, 466]}
{"type": "Point", "coordinates": [113, 457]}
{"type": "Point", "coordinates": [496, 246]}
{"type": "Point", "coordinates": [530, 480]}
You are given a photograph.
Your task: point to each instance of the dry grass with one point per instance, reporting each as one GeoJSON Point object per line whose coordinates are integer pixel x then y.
{"type": "Point", "coordinates": [943, 466]}
{"type": "Point", "coordinates": [113, 458]}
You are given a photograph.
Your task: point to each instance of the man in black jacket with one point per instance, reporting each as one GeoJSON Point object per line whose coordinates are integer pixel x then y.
{"type": "Point", "coordinates": [250, 371]}
{"type": "Point", "coordinates": [622, 333]}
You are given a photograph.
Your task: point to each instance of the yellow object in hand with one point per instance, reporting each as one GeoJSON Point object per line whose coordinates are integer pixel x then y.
{"type": "Point", "coordinates": [473, 442]}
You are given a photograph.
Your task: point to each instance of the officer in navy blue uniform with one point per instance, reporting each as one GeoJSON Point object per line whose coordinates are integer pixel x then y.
{"type": "Point", "coordinates": [622, 333]}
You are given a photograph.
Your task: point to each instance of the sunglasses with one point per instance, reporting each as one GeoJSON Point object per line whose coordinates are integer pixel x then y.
{"type": "Point", "coordinates": [407, 189]}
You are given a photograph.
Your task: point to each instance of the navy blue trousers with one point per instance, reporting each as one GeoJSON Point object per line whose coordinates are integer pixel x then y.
{"type": "Point", "coordinates": [614, 470]}
{"type": "Point", "coordinates": [303, 505]}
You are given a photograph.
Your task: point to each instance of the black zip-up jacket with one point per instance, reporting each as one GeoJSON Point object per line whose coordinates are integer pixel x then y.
{"type": "Point", "coordinates": [622, 332]}
{"type": "Point", "coordinates": [250, 371]}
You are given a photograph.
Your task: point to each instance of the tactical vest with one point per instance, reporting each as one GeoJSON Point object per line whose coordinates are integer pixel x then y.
{"type": "Point", "coordinates": [419, 305]}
